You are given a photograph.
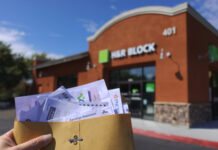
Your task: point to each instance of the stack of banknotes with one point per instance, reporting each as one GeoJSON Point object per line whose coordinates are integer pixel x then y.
{"type": "Point", "coordinates": [77, 103]}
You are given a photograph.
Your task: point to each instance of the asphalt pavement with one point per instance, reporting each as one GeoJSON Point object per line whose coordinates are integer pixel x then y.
{"type": "Point", "coordinates": [148, 143]}
{"type": "Point", "coordinates": [141, 142]}
{"type": "Point", "coordinates": [7, 117]}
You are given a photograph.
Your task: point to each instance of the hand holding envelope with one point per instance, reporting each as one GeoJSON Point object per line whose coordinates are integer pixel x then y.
{"type": "Point", "coordinates": [77, 118]}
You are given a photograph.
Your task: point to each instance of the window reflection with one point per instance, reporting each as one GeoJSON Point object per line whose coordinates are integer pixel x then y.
{"type": "Point", "coordinates": [149, 73]}
{"type": "Point", "coordinates": [135, 88]}
{"type": "Point", "coordinates": [131, 74]}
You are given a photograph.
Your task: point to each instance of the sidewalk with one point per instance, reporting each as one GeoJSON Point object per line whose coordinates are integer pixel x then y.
{"type": "Point", "coordinates": [205, 134]}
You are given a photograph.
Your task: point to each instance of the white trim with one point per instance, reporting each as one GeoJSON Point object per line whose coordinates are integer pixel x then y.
{"type": "Point", "coordinates": [185, 7]}
{"type": "Point", "coordinates": [202, 20]}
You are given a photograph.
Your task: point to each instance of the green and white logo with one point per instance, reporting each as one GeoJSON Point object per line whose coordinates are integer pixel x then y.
{"type": "Point", "coordinates": [81, 97]}
{"type": "Point", "coordinates": [103, 56]}
{"type": "Point", "coordinates": [150, 88]}
{"type": "Point", "coordinates": [212, 53]}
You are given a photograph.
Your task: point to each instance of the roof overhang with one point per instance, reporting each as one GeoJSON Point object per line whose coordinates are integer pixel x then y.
{"type": "Point", "coordinates": [185, 7]}
{"type": "Point", "coordinates": [62, 60]}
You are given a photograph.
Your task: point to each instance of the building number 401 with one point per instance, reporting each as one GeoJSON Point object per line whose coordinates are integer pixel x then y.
{"type": "Point", "coordinates": [169, 31]}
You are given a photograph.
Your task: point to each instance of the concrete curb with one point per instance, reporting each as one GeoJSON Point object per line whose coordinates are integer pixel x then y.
{"type": "Point", "coordinates": [175, 138]}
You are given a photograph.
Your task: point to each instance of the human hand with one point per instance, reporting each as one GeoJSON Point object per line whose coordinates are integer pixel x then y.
{"type": "Point", "coordinates": [7, 142]}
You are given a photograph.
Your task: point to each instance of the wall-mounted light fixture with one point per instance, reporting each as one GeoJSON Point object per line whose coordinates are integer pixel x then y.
{"type": "Point", "coordinates": [162, 53]}
{"type": "Point", "coordinates": [89, 65]}
{"type": "Point", "coordinates": [40, 74]}
{"type": "Point", "coordinates": [168, 54]}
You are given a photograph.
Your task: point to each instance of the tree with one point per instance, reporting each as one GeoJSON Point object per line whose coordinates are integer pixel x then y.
{"type": "Point", "coordinates": [13, 69]}
{"type": "Point", "coordinates": [40, 56]}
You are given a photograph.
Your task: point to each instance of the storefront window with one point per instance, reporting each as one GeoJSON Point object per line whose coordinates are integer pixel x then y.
{"type": "Point", "coordinates": [212, 53]}
{"type": "Point", "coordinates": [113, 85]}
{"type": "Point", "coordinates": [114, 76]}
{"type": "Point", "coordinates": [131, 74]}
{"type": "Point", "coordinates": [213, 94]}
{"type": "Point", "coordinates": [135, 89]}
{"type": "Point", "coordinates": [124, 74]}
{"type": "Point", "coordinates": [124, 89]}
{"type": "Point", "coordinates": [67, 81]}
{"type": "Point", "coordinates": [214, 82]}
{"type": "Point", "coordinates": [149, 73]}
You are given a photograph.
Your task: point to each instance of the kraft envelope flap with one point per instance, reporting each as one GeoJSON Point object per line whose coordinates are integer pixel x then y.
{"type": "Point", "coordinates": [113, 132]}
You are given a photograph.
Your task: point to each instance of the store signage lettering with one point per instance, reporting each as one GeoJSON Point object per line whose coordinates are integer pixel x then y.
{"type": "Point", "coordinates": [118, 54]}
{"type": "Point", "coordinates": [133, 51]}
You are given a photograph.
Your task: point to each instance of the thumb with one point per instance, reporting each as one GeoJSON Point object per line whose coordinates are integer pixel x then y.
{"type": "Point", "coordinates": [35, 143]}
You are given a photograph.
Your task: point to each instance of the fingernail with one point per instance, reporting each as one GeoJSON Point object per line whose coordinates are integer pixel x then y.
{"type": "Point", "coordinates": [47, 137]}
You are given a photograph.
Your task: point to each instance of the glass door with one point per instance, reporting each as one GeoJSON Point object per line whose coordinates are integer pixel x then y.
{"type": "Point", "coordinates": [137, 86]}
{"type": "Point", "coordinates": [124, 89]}
{"type": "Point", "coordinates": [140, 97]}
{"type": "Point", "coordinates": [135, 98]}
{"type": "Point", "coordinates": [148, 100]}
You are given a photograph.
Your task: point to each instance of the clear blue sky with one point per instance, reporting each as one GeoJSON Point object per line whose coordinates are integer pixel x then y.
{"type": "Point", "coordinates": [60, 27]}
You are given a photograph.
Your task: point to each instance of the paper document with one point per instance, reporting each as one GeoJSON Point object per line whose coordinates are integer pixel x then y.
{"type": "Point", "coordinates": [116, 101]}
{"type": "Point", "coordinates": [82, 102]}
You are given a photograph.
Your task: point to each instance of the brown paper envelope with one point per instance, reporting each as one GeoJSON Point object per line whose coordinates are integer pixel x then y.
{"type": "Point", "coordinates": [113, 132]}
